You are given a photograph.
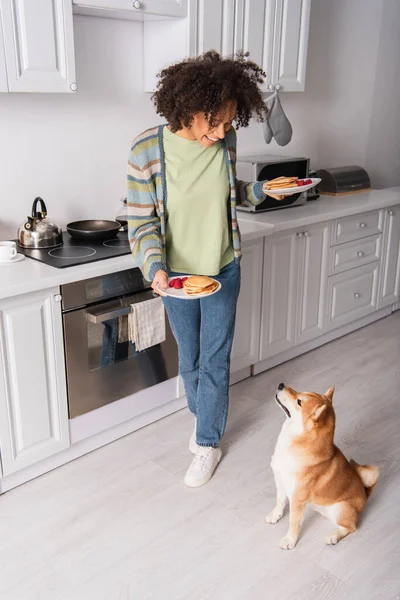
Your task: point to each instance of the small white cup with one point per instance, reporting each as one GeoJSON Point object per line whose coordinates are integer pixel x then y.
{"type": "Point", "coordinates": [8, 251]}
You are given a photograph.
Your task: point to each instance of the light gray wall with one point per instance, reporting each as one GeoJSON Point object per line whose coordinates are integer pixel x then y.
{"type": "Point", "coordinates": [383, 144]}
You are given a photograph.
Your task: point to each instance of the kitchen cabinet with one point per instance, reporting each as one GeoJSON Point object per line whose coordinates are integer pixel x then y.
{"type": "Point", "coordinates": [33, 398]}
{"type": "Point", "coordinates": [285, 65]}
{"type": "Point", "coordinates": [38, 45]}
{"type": "Point", "coordinates": [278, 296]}
{"type": "Point", "coordinates": [135, 10]}
{"type": "Point", "coordinates": [294, 288]}
{"type": "Point", "coordinates": [312, 282]}
{"type": "Point", "coordinates": [352, 294]}
{"type": "Point", "coordinates": [275, 32]}
{"type": "Point", "coordinates": [247, 328]}
{"type": "Point", "coordinates": [211, 26]}
{"type": "Point", "coordinates": [389, 292]}
{"type": "Point", "coordinates": [356, 227]}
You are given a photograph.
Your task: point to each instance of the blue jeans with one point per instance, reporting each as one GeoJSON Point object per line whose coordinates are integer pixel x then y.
{"type": "Point", "coordinates": [204, 330]}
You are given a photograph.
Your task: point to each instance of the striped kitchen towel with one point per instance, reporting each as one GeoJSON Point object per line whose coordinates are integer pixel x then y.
{"type": "Point", "coordinates": [147, 323]}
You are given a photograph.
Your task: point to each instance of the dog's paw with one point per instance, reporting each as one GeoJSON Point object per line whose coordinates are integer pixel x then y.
{"type": "Point", "coordinates": [332, 539]}
{"type": "Point", "coordinates": [273, 517]}
{"type": "Point", "coordinates": [287, 543]}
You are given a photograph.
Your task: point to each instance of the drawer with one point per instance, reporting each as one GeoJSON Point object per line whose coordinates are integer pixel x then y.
{"type": "Point", "coordinates": [354, 254]}
{"type": "Point", "coordinates": [357, 227]}
{"type": "Point", "coordinates": [352, 295]}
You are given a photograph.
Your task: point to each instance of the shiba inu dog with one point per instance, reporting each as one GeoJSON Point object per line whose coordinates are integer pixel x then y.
{"type": "Point", "coordinates": [310, 469]}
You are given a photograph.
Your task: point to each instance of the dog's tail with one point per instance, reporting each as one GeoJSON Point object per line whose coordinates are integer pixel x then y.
{"type": "Point", "coordinates": [368, 474]}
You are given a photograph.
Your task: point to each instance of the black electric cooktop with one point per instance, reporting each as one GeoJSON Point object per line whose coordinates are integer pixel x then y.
{"type": "Point", "coordinates": [79, 252]}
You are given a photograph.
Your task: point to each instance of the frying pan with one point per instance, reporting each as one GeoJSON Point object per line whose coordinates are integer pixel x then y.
{"type": "Point", "coordinates": [93, 230]}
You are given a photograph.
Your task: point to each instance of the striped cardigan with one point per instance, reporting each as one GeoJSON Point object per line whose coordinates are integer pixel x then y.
{"type": "Point", "coordinates": [147, 198]}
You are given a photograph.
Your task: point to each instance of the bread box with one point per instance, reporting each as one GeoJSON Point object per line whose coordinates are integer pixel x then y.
{"type": "Point", "coordinates": [343, 180]}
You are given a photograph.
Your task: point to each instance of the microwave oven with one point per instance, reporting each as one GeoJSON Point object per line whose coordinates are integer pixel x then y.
{"type": "Point", "coordinates": [265, 167]}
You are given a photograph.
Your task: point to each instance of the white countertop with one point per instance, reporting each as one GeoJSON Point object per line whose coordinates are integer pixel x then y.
{"type": "Point", "coordinates": [30, 275]}
{"type": "Point", "coordinates": [323, 209]}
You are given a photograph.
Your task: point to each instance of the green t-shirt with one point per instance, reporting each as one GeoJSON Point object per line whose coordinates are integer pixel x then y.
{"type": "Point", "coordinates": [198, 232]}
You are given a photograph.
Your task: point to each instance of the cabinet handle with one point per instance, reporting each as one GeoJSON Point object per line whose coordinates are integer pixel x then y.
{"type": "Point", "coordinates": [362, 225]}
{"type": "Point", "coordinates": [300, 234]}
{"type": "Point", "coordinates": [57, 297]}
{"type": "Point", "coordinates": [73, 87]}
{"type": "Point", "coordinates": [306, 234]}
{"type": "Point", "coordinates": [271, 87]}
{"type": "Point", "coordinates": [360, 254]}
{"type": "Point", "coordinates": [357, 295]}
{"type": "Point", "coordinates": [277, 87]}
{"type": "Point", "coordinates": [136, 4]}
{"type": "Point", "coordinates": [391, 213]}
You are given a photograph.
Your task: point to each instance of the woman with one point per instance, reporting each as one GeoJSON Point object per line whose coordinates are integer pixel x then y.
{"type": "Point", "coordinates": [182, 196]}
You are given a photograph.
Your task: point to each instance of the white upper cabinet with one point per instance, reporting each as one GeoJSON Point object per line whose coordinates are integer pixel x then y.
{"type": "Point", "coordinates": [254, 31]}
{"type": "Point", "coordinates": [289, 56]}
{"type": "Point", "coordinates": [39, 45]}
{"type": "Point", "coordinates": [211, 26]}
{"type": "Point", "coordinates": [135, 10]}
{"type": "Point", "coordinates": [274, 32]}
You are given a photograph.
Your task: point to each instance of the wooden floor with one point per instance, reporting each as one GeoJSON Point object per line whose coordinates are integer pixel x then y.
{"type": "Point", "coordinates": [119, 524]}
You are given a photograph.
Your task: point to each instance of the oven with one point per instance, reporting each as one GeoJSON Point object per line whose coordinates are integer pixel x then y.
{"type": "Point", "coordinates": [102, 365]}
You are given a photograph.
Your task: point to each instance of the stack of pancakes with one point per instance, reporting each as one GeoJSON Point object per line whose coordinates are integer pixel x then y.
{"type": "Point", "coordinates": [281, 182]}
{"type": "Point", "coordinates": [199, 284]}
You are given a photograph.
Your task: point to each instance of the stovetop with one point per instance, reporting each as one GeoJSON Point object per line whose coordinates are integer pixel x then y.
{"type": "Point", "coordinates": [78, 252]}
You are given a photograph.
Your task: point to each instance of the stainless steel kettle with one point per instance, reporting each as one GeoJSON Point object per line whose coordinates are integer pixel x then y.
{"type": "Point", "coordinates": [38, 231]}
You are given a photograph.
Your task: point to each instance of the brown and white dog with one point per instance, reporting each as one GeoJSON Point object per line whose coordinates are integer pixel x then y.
{"type": "Point", "coordinates": [310, 469]}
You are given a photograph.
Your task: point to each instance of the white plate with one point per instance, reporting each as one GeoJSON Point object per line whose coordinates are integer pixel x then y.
{"type": "Point", "coordinates": [298, 189]}
{"type": "Point", "coordinates": [181, 295]}
{"type": "Point", "coordinates": [14, 260]}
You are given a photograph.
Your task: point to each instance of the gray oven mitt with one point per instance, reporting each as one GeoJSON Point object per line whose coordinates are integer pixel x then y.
{"type": "Point", "coordinates": [276, 123]}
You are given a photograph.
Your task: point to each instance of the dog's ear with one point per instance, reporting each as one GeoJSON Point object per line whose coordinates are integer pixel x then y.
{"type": "Point", "coordinates": [329, 394]}
{"type": "Point", "coordinates": [318, 412]}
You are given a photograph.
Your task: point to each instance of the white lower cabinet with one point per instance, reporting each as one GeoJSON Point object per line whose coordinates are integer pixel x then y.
{"type": "Point", "coordinates": [312, 283]}
{"type": "Point", "coordinates": [247, 328]}
{"type": "Point", "coordinates": [389, 292]}
{"type": "Point", "coordinates": [33, 399]}
{"type": "Point", "coordinates": [294, 288]}
{"type": "Point", "coordinates": [352, 294]}
{"type": "Point", "coordinates": [278, 297]}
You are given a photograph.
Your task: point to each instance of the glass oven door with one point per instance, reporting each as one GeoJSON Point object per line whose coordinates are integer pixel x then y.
{"type": "Point", "coordinates": [102, 364]}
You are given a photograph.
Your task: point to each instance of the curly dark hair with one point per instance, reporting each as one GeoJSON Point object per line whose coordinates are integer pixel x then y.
{"type": "Point", "coordinates": [205, 84]}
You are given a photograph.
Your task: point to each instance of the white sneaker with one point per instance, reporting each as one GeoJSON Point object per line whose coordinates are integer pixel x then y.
{"type": "Point", "coordinates": [192, 442]}
{"type": "Point", "coordinates": [203, 465]}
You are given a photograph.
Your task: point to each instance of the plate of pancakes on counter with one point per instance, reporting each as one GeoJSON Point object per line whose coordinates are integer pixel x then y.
{"type": "Point", "coordinates": [190, 287]}
{"type": "Point", "coordinates": [291, 185]}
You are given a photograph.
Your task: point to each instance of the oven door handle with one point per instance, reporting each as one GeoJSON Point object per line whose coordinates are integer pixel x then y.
{"type": "Point", "coordinates": [99, 317]}
{"type": "Point", "coordinates": [107, 316]}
